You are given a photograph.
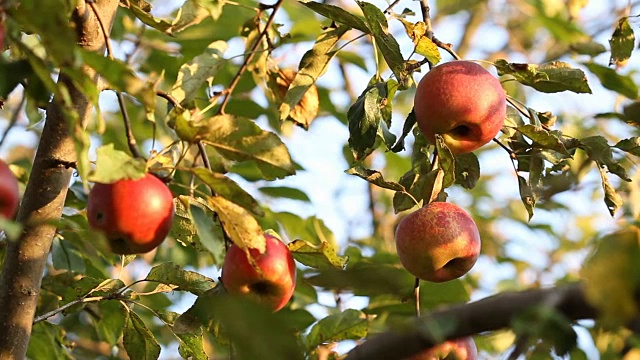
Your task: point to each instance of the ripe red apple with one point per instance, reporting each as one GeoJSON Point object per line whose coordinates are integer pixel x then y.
{"type": "Point", "coordinates": [9, 192]}
{"type": "Point", "coordinates": [462, 102]}
{"type": "Point", "coordinates": [272, 285]}
{"type": "Point", "coordinates": [135, 215]}
{"type": "Point", "coordinates": [439, 242]}
{"type": "Point", "coordinates": [459, 349]}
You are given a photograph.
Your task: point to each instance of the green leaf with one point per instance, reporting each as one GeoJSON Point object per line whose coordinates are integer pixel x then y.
{"type": "Point", "coordinates": [285, 192]}
{"type": "Point", "coordinates": [110, 324]}
{"type": "Point", "coordinates": [588, 47]}
{"type": "Point", "coordinates": [192, 12]}
{"type": "Point", "coordinates": [409, 123]}
{"type": "Point", "coordinates": [171, 274]}
{"type": "Point", "coordinates": [65, 256]}
{"type": "Point", "coordinates": [387, 44]}
{"type": "Point", "coordinates": [544, 322]}
{"type": "Point", "coordinates": [446, 162]}
{"type": "Point", "coordinates": [611, 80]}
{"type": "Point", "coordinates": [543, 139]}
{"type": "Point", "coordinates": [630, 145]}
{"type": "Point", "coordinates": [209, 231]}
{"type": "Point", "coordinates": [121, 77]}
{"type": "Point", "coordinates": [138, 341]}
{"type": "Point", "coordinates": [316, 256]}
{"type": "Point", "coordinates": [365, 279]}
{"type": "Point", "coordinates": [338, 15]}
{"type": "Point", "coordinates": [622, 42]}
{"type": "Point", "coordinates": [364, 118]}
{"type": "Point", "coordinates": [611, 197]}
{"type": "Point", "coordinates": [348, 325]}
{"type": "Point", "coordinates": [612, 276]}
{"type": "Point", "coordinates": [242, 228]}
{"type": "Point", "coordinates": [598, 150]}
{"type": "Point", "coordinates": [526, 195]}
{"type": "Point", "coordinates": [198, 72]}
{"type": "Point", "coordinates": [467, 170]}
{"type": "Point", "coordinates": [313, 64]}
{"type": "Point", "coordinates": [113, 165]}
{"type": "Point", "coordinates": [552, 77]}
{"type": "Point", "coordinates": [191, 345]}
{"type": "Point", "coordinates": [228, 189]}
{"type": "Point", "coordinates": [238, 139]}
{"type": "Point", "coordinates": [48, 341]}
{"type": "Point", "coordinates": [374, 177]}
{"type": "Point", "coordinates": [143, 14]}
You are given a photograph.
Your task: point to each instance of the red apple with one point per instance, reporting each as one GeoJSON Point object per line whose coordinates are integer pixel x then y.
{"type": "Point", "coordinates": [135, 215]}
{"type": "Point", "coordinates": [439, 242]}
{"type": "Point", "coordinates": [459, 349]}
{"type": "Point", "coordinates": [274, 280]}
{"type": "Point", "coordinates": [9, 192]}
{"type": "Point", "coordinates": [461, 101]}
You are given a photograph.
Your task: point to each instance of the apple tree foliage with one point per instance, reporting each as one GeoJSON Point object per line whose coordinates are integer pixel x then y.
{"type": "Point", "coordinates": [209, 93]}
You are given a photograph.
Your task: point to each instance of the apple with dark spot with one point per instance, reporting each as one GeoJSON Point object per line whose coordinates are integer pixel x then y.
{"type": "Point", "coordinates": [269, 278]}
{"type": "Point", "coordinates": [439, 242]}
{"type": "Point", "coordinates": [135, 215]}
{"type": "Point", "coordinates": [462, 102]}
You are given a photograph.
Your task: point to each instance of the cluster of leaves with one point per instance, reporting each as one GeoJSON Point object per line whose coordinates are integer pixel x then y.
{"type": "Point", "coordinates": [210, 140]}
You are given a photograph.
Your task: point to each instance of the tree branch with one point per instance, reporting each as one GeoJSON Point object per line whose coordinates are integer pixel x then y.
{"type": "Point", "coordinates": [489, 314]}
{"type": "Point", "coordinates": [44, 197]}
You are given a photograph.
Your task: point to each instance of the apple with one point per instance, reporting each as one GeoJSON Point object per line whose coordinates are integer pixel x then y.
{"type": "Point", "coordinates": [439, 242]}
{"type": "Point", "coordinates": [9, 192]}
{"type": "Point", "coordinates": [270, 280]}
{"type": "Point", "coordinates": [135, 215]}
{"type": "Point", "coordinates": [462, 102]}
{"type": "Point", "coordinates": [459, 349]}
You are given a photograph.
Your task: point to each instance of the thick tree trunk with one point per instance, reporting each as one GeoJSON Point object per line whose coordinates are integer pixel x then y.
{"type": "Point", "coordinates": [44, 197]}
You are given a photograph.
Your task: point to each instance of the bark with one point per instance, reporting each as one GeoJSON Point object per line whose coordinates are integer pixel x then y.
{"type": "Point", "coordinates": [44, 197]}
{"type": "Point", "coordinates": [490, 314]}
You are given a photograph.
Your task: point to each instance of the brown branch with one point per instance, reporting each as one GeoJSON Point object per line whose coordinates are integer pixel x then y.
{"type": "Point", "coordinates": [250, 55]}
{"type": "Point", "coordinates": [44, 196]}
{"type": "Point", "coordinates": [489, 314]}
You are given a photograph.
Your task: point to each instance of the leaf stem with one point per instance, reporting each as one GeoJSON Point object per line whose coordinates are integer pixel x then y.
{"type": "Point", "coordinates": [416, 295]}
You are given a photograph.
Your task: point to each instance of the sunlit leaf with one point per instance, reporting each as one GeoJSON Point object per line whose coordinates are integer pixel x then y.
{"type": "Point", "coordinates": [526, 195]}
{"type": "Point", "coordinates": [348, 325]}
{"type": "Point", "coordinates": [197, 72]}
{"type": "Point", "coordinates": [338, 15]}
{"type": "Point", "coordinates": [622, 42]}
{"type": "Point", "coordinates": [630, 145]}
{"type": "Point", "coordinates": [611, 197]}
{"type": "Point", "coordinates": [172, 274]}
{"type": "Point", "coordinates": [240, 225]}
{"type": "Point", "coordinates": [113, 165]}
{"type": "Point", "coordinates": [313, 64]}
{"type": "Point", "coordinates": [423, 45]}
{"type": "Point", "coordinates": [552, 77]}
{"type": "Point", "coordinates": [144, 15]}
{"type": "Point", "coordinates": [306, 110]}
{"type": "Point", "coordinates": [316, 255]}
{"type": "Point", "coordinates": [228, 189]}
{"type": "Point", "coordinates": [192, 12]}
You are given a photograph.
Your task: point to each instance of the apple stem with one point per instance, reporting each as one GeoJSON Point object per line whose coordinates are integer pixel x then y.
{"type": "Point", "coordinates": [416, 294]}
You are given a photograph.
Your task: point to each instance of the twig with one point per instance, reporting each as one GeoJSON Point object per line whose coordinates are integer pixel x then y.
{"type": "Point", "coordinates": [275, 7]}
{"type": "Point", "coordinates": [447, 47]}
{"type": "Point", "coordinates": [131, 140]}
{"type": "Point", "coordinates": [51, 313]}
{"type": "Point", "coordinates": [14, 118]}
{"type": "Point", "coordinates": [426, 17]}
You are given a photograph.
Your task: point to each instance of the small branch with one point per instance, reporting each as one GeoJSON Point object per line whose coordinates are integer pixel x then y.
{"type": "Point", "coordinates": [489, 314]}
{"type": "Point", "coordinates": [64, 307]}
{"type": "Point", "coordinates": [426, 17]}
{"type": "Point", "coordinates": [14, 118]}
{"type": "Point", "coordinates": [447, 47]}
{"type": "Point", "coordinates": [275, 7]}
{"type": "Point", "coordinates": [131, 140]}
{"type": "Point", "coordinates": [169, 98]}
